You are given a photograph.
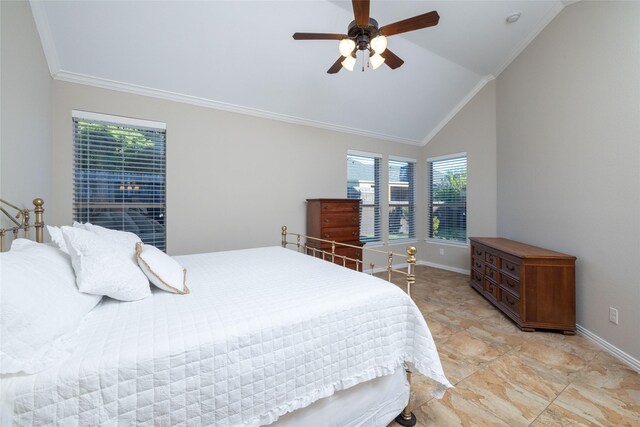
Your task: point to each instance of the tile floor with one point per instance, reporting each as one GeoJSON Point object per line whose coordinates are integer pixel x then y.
{"type": "Point", "coordinates": [505, 377]}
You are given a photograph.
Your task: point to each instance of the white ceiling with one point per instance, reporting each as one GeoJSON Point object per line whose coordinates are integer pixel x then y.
{"type": "Point", "coordinates": [239, 56]}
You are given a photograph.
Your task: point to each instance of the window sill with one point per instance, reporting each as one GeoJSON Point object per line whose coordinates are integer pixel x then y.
{"type": "Point", "coordinates": [402, 241]}
{"type": "Point", "coordinates": [447, 243]}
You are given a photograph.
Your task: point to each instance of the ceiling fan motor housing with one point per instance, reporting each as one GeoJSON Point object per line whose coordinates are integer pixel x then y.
{"type": "Point", "coordinates": [363, 35]}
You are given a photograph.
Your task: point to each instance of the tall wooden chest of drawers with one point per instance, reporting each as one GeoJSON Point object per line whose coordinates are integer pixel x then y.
{"type": "Point", "coordinates": [535, 287]}
{"type": "Point", "coordinates": [336, 220]}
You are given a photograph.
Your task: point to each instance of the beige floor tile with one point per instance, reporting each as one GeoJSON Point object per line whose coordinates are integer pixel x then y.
{"type": "Point", "coordinates": [555, 416]}
{"type": "Point", "coordinates": [518, 371]}
{"type": "Point", "coordinates": [455, 409]}
{"type": "Point", "coordinates": [599, 407]}
{"type": "Point", "coordinates": [503, 398]}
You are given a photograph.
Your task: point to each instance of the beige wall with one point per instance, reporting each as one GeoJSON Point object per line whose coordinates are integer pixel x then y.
{"type": "Point", "coordinates": [568, 128]}
{"type": "Point", "coordinates": [232, 180]}
{"type": "Point", "coordinates": [25, 110]}
{"type": "Point", "coordinates": [472, 130]}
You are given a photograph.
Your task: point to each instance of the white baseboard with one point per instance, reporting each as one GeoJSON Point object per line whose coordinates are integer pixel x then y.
{"type": "Point", "coordinates": [610, 348]}
{"type": "Point", "coordinates": [444, 267]}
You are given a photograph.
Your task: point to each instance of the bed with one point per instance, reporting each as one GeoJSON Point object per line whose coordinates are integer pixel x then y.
{"type": "Point", "coordinates": [266, 336]}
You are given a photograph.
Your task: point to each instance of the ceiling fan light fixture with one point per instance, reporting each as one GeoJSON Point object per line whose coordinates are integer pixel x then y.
{"type": "Point", "coordinates": [349, 62]}
{"type": "Point", "coordinates": [346, 46]}
{"type": "Point", "coordinates": [379, 44]}
{"type": "Point", "coordinates": [376, 60]}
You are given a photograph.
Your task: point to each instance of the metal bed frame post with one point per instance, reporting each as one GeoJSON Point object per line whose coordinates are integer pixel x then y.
{"type": "Point", "coordinates": [39, 224]}
{"type": "Point", "coordinates": [406, 417]}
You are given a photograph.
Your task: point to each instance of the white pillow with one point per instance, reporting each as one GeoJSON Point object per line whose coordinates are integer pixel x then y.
{"type": "Point", "coordinates": [162, 270]}
{"type": "Point", "coordinates": [40, 308]}
{"type": "Point", "coordinates": [125, 240]}
{"type": "Point", "coordinates": [104, 268]}
{"type": "Point", "coordinates": [58, 239]}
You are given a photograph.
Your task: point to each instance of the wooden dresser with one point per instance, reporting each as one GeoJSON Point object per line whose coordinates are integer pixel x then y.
{"type": "Point", "coordinates": [533, 286]}
{"type": "Point", "coordinates": [336, 220]}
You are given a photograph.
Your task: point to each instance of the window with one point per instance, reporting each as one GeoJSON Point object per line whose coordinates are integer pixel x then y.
{"type": "Point", "coordinates": [448, 198]}
{"type": "Point", "coordinates": [119, 174]}
{"type": "Point", "coordinates": [363, 182]}
{"type": "Point", "coordinates": [401, 199]}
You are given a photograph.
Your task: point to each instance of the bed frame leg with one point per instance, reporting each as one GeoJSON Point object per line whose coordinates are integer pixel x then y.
{"type": "Point", "coordinates": [406, 417]}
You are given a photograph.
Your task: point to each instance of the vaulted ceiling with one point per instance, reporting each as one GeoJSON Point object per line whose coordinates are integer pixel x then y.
{"type": "Point", "coordinates": [240, 56]}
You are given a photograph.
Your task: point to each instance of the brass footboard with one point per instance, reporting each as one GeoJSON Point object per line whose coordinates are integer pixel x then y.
{"type": "Point", "coordinates": [406, 418]}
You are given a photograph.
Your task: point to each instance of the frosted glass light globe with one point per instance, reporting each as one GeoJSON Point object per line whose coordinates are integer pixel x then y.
{"type": "Point", "coordinates": [346, 46]}
{"type": "Point", "coordinates": [376, 60]}
{"type": "Point", "coordinates": [379, 44]}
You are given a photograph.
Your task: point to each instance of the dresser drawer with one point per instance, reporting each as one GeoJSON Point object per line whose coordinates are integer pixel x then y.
{"type": "Point", "coordinates": [342, 234]}
{"type": "Point", "coordinates": [340, 207]}
{"type": "Point", "coordinates": [491, 273]}
{"type": "Point", "coordinates": [490, 258]}
{"type": "Point", "coordinates": [511, 284]}
{"type": "Point", "coordinates": [510, 302]}
{"type": "Point", "coordinates": [477, 251]}
{"type": "Point", "coordinates": [511, 268]}
{"type": "Point", "coordinates": [476, 277]}
{"type": "Point", "coordinates": [477, 265]}
{"type": "Point", "coordinates": [346, 219]}
{"type": "Point", "coordinates": [492, 289]}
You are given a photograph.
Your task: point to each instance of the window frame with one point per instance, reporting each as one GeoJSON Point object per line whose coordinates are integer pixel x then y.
{"type": "Point", "coordinates": [411, 203]}
{"type": "Point", "coordinates": [377, 204]}
{"type": "Point", "coordinates": [154, 168]}
{"type": "Point", "coordinates": [429, 209]}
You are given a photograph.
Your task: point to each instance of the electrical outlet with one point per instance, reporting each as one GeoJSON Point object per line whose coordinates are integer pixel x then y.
{"type": "Point", "coordinates": [613, 315]}
{"type": "Point", "coordinates": [441, 251]}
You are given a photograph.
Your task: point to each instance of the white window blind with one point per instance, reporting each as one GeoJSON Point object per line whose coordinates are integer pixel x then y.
{"type": "Point", "coordinates": [448, 198]}
{"type": "Point", "coordinates": [401, 199]}
{"type": "Point", "coordinates": [363, 182]}
{"type": "Point", "coordinates": [119, 176]}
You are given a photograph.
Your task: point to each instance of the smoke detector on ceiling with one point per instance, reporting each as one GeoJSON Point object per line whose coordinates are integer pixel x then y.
{"type": "Point", "coordinates": [513, 17]}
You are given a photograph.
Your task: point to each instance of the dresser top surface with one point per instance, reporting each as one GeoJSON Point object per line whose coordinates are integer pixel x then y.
{"type": "Point", "coordinates": [335, 200]}
{"type": "Point", "coordinates": [521, 250]}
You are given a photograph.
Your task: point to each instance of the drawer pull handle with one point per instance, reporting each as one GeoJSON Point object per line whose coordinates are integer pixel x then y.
{"type": "Point", "coordinates": [509, 300]}
{"type": "Point", "coordinates": [354, 219]}
{"type": "Point", "coordinates": [491, 259]}
{"type": "Point", "coordinates": [326, 235]}
{"type": "Point", "coordinates": [478, 252]}
{"type": "Point", "coordinates": [510, 267]}
{"type": "Point", "coordinates": [354, 207]}
{"type": "Point", "coordinates": [353, 233]}
{"type": "Point", "coordinates": [326, 220]}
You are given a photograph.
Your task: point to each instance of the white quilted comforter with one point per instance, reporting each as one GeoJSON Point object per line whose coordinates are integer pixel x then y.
{"type": "Point", "coordinates": [263, 332]}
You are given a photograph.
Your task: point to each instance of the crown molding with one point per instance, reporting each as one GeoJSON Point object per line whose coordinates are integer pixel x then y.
{"type": "Point", "coordinates": [537, 29]}
{"type": "Point", "coordinates": [464, 101]}
{"type": "Point", "coordinates": [102, 83]}
{"type": "Point", "coordinates": [46, 38]}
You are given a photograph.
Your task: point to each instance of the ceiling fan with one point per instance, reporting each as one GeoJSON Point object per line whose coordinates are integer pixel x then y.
{"type": "Point", "coordinates": [364, 34]}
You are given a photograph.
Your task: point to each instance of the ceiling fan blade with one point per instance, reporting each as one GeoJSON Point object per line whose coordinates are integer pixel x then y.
{"type": "Point", "coordinates": [391, 59]}
{"type": "Point", "coordinates": [337, 66]}
{"type": "Point", "coordinates": [361, 12]}
{"type": "Point", "coordinates": [417, 22]}
{"type": "Point", "coordinates": [318, 36]}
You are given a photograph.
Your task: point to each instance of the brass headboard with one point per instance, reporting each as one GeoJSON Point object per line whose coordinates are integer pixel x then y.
{"type": "Point", "coordinates": [20, 219]}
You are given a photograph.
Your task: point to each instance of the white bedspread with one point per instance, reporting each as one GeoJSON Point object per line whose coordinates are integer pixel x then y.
{"type": "Point", "coordinates": [263, 332]}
